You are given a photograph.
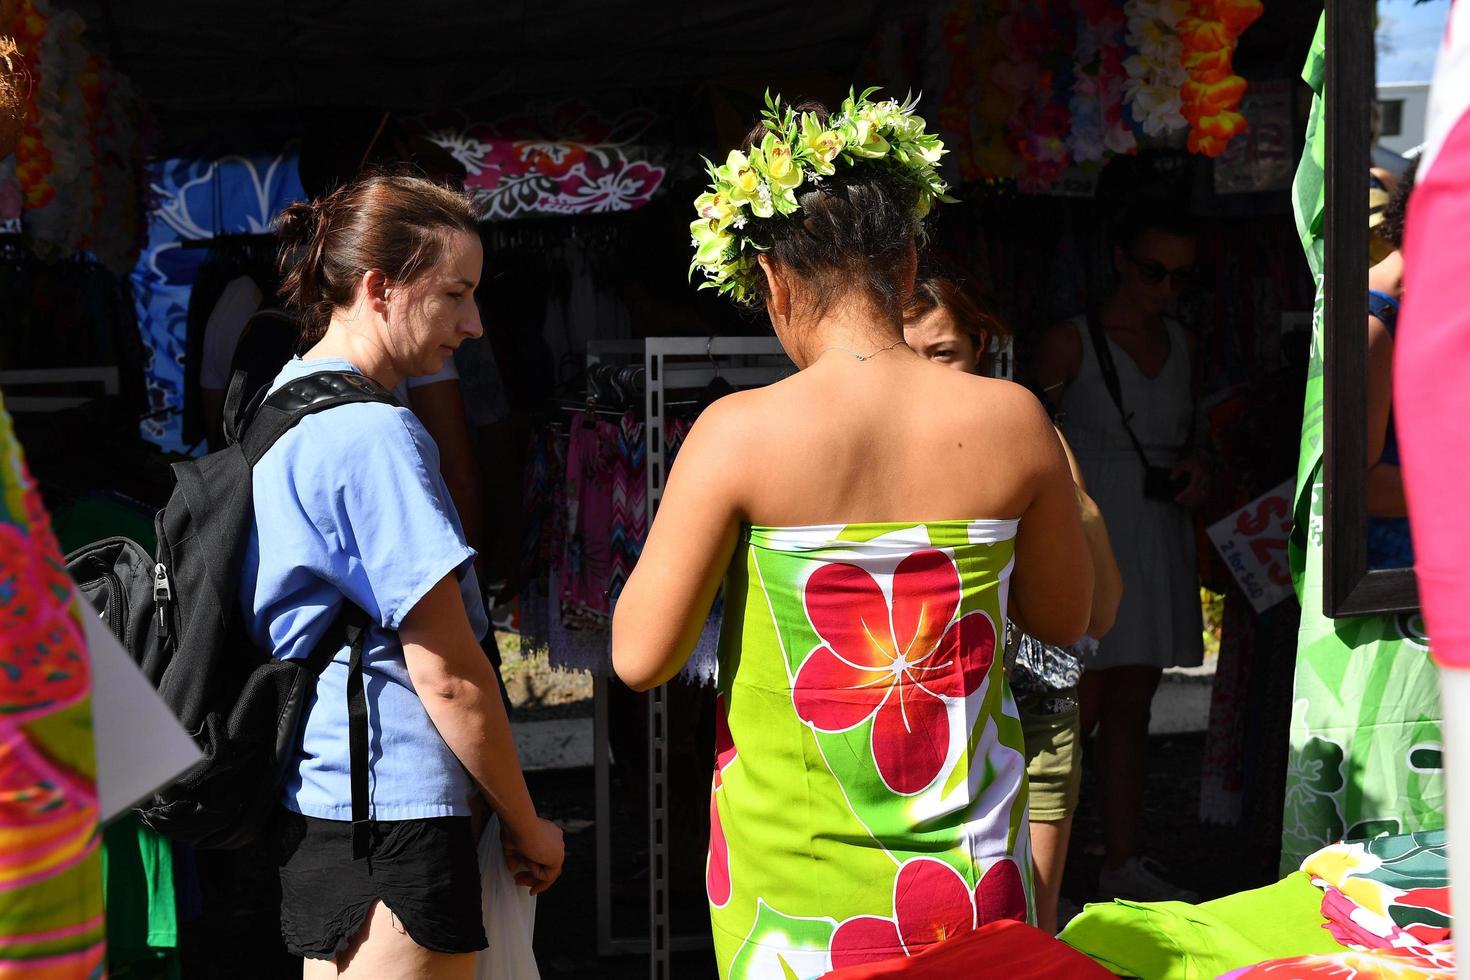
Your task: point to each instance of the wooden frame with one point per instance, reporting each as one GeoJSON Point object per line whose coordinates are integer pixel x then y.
{"type": "Point", "coordinates": [1350, 589]}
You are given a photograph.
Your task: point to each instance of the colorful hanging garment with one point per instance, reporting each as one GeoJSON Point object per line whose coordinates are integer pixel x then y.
{"type": "Point", "coordinates": [587, 560]}
{"type": "Point", "coordinates": [629, 503]}
{"type": "Point", "coordinates": [869, 797]}
{"type": "Point", "coordinates": [1365, 754]}
{"type": "Point", "coordinates": [51, 917]}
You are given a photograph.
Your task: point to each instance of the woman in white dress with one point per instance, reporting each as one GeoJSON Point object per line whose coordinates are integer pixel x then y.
{"type": "Point", "coordinates": [1126, 359]}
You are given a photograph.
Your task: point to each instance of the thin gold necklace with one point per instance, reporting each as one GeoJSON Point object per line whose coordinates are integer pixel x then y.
{"type": "Point", "coordinates": [861, 357]}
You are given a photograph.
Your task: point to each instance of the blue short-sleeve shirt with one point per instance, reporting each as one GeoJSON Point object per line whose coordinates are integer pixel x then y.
{"type": "Point", "coordinates": [350, 502]}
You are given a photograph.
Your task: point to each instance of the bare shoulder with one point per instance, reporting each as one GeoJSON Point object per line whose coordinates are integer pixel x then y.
{"type": "Point", "coordinates": [1008, 406]}
{"type": "Point", "coordinates": [725, 431]}
{"type": "Point", "coordinates": [1058, 355]}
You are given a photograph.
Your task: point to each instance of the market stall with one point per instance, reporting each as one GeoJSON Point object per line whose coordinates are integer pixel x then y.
{"type": "Point", "coordinates": [598, 357]}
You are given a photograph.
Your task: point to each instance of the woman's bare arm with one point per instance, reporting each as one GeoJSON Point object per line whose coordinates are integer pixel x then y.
{"type": "Point", "coordinates": [1107, 589]}
{"type": "Point", "coordinates": [459, 691]}
{"type": "Point", "coordinates": [1052, 587]}
{"type": "Point", "coordinates": [663, 608]}
{"type": "Point", "coordinates": [1058, 359]}
{"type": "Point", "coordinates": [1385, 481]}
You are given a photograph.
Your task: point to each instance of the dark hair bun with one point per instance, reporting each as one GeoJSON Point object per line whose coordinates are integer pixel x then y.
{"type": "Point", "coordinates": [297, 224]}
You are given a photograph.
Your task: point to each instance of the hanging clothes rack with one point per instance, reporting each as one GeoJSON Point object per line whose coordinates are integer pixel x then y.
{"type": "Point", "coordinates": [677, 367]}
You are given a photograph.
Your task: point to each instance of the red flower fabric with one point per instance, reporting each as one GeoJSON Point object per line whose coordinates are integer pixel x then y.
{"type": "Point", "coordinates": [899, 662]}
{"type": "Point", "coordinates": [931, 903]}
{"type": "Point", "coordinates": [717, 864]}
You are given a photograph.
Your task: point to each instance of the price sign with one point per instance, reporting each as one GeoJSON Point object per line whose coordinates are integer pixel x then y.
{"type": "Point", "coordinates": [1252, 541]}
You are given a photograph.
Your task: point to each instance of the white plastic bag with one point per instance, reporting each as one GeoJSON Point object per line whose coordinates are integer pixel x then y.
{"type": "Point", "coordinates": [510, 915]}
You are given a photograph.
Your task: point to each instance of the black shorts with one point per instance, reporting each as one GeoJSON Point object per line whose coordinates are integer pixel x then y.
{"type": "Point", "coordinates": [425, 871]}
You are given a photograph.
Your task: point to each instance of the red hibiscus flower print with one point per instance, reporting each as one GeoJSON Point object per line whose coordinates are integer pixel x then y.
{"type": "Point", "coordinates": [897, 662]}
{"type": "Point", "coordinates": [931, 903]}
{"type": "Point", "coordinates": [717, 865]}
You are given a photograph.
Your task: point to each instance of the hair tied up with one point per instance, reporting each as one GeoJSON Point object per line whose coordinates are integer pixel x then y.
{"type": "Point", "coordinates": [397, 225]}
{"type": "Point", "coordinates": [297, 224]}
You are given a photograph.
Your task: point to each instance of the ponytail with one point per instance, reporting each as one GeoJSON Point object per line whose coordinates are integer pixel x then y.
{"type": "Point", "coordinates": [301, 230]}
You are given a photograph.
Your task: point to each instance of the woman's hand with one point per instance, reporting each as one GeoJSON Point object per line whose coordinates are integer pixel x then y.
{"type": "Point", "coordinates": [535, 854]}
{"type": "Point", "coordinates": [1194, 468]}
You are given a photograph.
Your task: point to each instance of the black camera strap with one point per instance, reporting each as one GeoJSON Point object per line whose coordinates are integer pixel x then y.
{"type": "Point", "coordinates": [1110, 379]}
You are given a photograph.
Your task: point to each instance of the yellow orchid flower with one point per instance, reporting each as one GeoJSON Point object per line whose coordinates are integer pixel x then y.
{"type": "Point", "coordinates": [864, 139]}
{"type": "Point", "coordinates": [717, 206]}
{"type": "Point", "coordinates": [764, 181]}
{"type": "Point", "coordinates": [710, 240]}
{"type": "Point", "coordinates": [741, 174]}
{"type": "Point", "coordinates": [820, 145]}
{"type": "Point", "coordinates": [780, 169]}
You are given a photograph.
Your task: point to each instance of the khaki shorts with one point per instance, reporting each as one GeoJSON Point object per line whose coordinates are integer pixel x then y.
{"type": "Point", "coordinates": [1053, 762]}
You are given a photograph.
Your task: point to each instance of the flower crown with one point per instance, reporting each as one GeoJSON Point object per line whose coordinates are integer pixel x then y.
{"type": "Point", "coordinates": [797, 149]}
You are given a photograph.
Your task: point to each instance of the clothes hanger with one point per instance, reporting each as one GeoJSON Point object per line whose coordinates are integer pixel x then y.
{"type": "Point", "coordinates": [718, 386]}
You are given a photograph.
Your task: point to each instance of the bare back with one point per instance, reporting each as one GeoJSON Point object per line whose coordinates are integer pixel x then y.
{"type": "Point", "coordinates": [893, 438]}
{"type": "Point", "coordinates": [890, 439]}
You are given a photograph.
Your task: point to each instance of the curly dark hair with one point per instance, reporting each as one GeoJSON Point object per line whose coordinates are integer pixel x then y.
{"type": "Point", "coordinates": [1391, 229]}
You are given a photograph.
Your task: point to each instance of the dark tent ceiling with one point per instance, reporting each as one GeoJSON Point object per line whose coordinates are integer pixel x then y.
{"type": "Point", "coordinates": [259, 69]}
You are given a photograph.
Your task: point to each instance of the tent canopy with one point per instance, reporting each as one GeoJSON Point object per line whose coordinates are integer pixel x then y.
{"type": "Point", "coordinates": [263, 70]}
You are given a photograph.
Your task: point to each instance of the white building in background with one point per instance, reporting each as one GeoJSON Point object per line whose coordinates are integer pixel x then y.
{"type": "Point", "coordinates": [1401, 110]}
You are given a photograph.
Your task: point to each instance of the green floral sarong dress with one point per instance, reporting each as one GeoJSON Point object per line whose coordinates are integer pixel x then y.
{"type": "Point", "coordinates": [869, 792]}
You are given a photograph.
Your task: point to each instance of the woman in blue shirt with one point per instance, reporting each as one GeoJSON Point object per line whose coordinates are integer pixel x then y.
{"type": "Point", "coordinates": [350, 507]}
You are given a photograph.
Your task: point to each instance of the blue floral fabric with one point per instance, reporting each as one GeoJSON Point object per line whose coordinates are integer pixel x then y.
{"type": "Point", "coordinates": [195, 200]}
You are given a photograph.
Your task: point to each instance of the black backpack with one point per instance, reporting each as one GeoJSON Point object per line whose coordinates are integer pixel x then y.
{"type": "Point", "coordinates": [177, 614]}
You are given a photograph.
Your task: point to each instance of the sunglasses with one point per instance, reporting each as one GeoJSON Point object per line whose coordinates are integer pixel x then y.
{"type": "Point", "coordinates": [1154, 273]}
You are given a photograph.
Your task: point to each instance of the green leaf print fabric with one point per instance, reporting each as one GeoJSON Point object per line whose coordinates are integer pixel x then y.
{"type": "Point", "coordinates": [869, 794]}
{"type": "Point", "coordinates": [1365, 749]}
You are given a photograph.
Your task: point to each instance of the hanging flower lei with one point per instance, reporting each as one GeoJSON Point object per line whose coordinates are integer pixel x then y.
{"type": "Point", "coordinates": [33, 159]}
{"type": "Point", "coordinates": [994, 104]}
{"type": "Point", "coordinates": [1098, 130]}
{"type": "Point", "coordinates": [796, 150]}
{"type": "Point", "coordinates": [1211, 96]}
{"type": "Point", "coordinates": [1157, 70]}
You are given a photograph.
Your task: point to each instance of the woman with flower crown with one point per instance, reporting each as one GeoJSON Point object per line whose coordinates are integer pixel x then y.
{"type": "Point", "coordinates": [874, 520]}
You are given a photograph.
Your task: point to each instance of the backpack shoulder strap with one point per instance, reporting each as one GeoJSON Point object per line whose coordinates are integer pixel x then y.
{"type": "Point", "coordinates": [350, 628]}
{"type": "Point", "coordinates": [295, 400]}
{"type": "Point", "coordinates": [1109, 370]}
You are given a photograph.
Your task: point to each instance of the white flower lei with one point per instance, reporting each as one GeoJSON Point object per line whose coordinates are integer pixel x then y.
{"type": "Point", "coordinates": [1156, 72]}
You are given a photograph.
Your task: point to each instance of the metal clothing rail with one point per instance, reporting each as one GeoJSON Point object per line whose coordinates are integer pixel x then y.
{"type": "Point", "coordinates": [670, 364]}
{"type": "Point", "coordinates": [664, 375]}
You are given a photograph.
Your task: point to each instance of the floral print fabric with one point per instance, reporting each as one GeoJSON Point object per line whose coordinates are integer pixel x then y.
{"type": "Point", "coordinates": [1436, 963]}
{"type": "Point", "coordinates": [51, 918]}
{"type": "Point", "coordinates": [1388, 892]}
{"type": "Point", "coordinates": [1366, 745]}
{"type": "Point", "coordinates": [869, 792]}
